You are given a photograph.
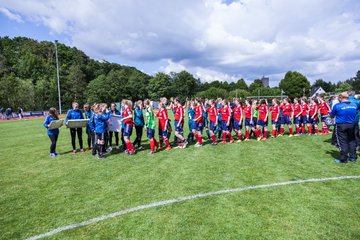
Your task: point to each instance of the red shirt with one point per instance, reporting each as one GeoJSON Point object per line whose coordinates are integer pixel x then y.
{"type": "Point", "coordinates": [305, 109]}
{"type": "Point", "coordinates": [237, 110]}
{"type": "Point", "coordinates": [297, 110]}
{"type": "Point", "coordinates": [212, 113]}
{"type": "Point", "coordinates": [225, 113]}
{"type": "Point", "coordinates": [179, 113]}
{"type": "Point", "coordinates": [287, 109]}
{"type": "Point", "coordinates": [248, 111]}
{"type": "Point", "coordinates": [314, 110]}
{"type": "Point", "coordinates": [275, 110]}
{"type": "Point", "coordinates": [127, 112]}
{"type": "Point", "coordinates": [163, 117]}
{"type": "Point", "coordinates": [263, 111]}
{"type": "Point", "coordinates": [199, 113]}
{"type": "Point", "coordinates": [324, 108]}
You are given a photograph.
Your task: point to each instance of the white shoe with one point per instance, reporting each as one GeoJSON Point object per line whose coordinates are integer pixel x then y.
{"type": "Point", "coordinates": [184, 144]}
{"type": "Point", "coordinates": [117, 147]}
{"type": "Point", "coordinates": [109, 149]}
{"type": "Point", "coordinates": [52, 155]}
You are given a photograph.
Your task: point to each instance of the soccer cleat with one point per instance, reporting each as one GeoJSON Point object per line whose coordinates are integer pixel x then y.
{"type": "Point", "coordinates": [140, 148]}
{"type": "Point", "coordinates": [214, 143]}
{"type": "Point", "coordinates": [199, 145]}
{"type": "Point", "coordinates": [291, 135]}
{"type": "Point", "coordinates": [151, 153]}
{"type": "Point", "coordinates": [89, 149]}
{"type": "Point", "coordinates": [232, 140]}
{"type": "Point", "coordinates": [238, 141]}
{"type": "Point", "coordinates": [82, 150]}
{"type": "Point", "coordinates": [309, 134]}
{"type": "Point", "coordinates": [73, 151]}
{"type": "Point", "coordinates": [246, 140]}
{"type": "Point", "coordinates": [339, 161]}
{"type": "Point", "coordinates": [258, 139]}
{"type": "Point", "coordinates": [223, 142]}
{"type": "Point", "coordinates": [296, 135]}
{"type": "Point", "coordinates": [117, 147]}
{"type": "Point", "coordinates": [280, 135]}
{"type": "Point", "coordinates": [57, 155]}
{"type": "Point", "coordinates": [101, 156]}
{"type": "Point", "coordinates": [264, 139]}
{"type": "Point", "coordinates": [52, 155]}
{"type": "Point", "coordinates": [184, 144]}
{"type": "Point", "coordinates": [131, 152]}
{"type": "Point", "coordinates": [168, 148]}
{"type": "Point", "coordinates": [109, 149]}
{"type": "Point", "coordinates": [352, 160]}
{"type": "Point", "coordinates": [126, 151]}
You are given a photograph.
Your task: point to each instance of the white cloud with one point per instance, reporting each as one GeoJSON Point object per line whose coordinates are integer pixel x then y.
{"type": "Point", "coordinates": [11, 15]}
{"type": "Point", "coordinates": [212, 39]}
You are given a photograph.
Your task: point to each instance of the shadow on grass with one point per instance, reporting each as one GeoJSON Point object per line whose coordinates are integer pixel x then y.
{"type": "Point", "coordinates": [333, 153]}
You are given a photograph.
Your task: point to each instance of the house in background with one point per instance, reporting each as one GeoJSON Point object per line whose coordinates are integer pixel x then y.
{"type": "Point", "coordinates": [316, 91]}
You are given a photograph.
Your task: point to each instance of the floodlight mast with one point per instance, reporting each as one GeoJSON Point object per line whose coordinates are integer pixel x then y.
{"type": "Point", "coordinates": [57, 75]}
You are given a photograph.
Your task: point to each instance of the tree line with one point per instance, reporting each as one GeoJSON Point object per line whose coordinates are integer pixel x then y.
{"type": "Point", "coordinates": [28, 79]}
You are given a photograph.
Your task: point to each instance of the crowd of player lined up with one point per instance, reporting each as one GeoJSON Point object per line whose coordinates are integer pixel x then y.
{"type": "Point", "coordinates": [219, 118]}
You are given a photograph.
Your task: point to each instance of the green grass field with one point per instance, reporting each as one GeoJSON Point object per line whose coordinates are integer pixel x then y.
{"type": "Point", "coordinates": [39, 194]}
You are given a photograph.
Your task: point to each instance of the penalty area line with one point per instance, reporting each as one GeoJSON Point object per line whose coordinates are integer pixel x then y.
{"type": "Point", "coordinates": [182, 199]}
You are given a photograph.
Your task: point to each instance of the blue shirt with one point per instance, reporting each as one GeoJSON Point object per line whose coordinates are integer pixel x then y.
{"type": "Point", "coordinates": [191, 114]}
{"type": "Point", "coordinates": [100, 121]}
{"type": "Point", "coordinates": [74, 114]}
{"type": "Point", "coordinates": [345, 112]}
{"type": "Point", "coordinates": [357, 102]}
{"type": "Point", "coordinates": [138, 117]}
{"type": "Point", "coordinates": [47, 121]}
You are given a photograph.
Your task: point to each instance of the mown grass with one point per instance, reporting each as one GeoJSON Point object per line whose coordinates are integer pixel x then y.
{"type": "Point", "coordinates": [39, 194]}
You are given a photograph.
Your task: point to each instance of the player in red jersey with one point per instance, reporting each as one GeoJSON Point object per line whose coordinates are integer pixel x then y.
{"type": "Point", "coordinates": [313, 117]}
{"type": "Point", "coordinates": [304, 114]}
{"type": "Point", "coordinates": [249, 124]}
{"type": "Point", "coordinates": [179, 123]}
{"type": "Point", "coordinates": [163, 122]}
{"type": "Point", "coordinates": [128, 125]}
{"type": "Point", "coordinates": [324, 113]}
{"type": "Point", "coordinates": [225, 111]}
{"type": "Point", "coordinates": [198, 121]}
{"type": "Point", "coordinates": [287, 116]}
{"type": "Point", "coordinates": [213, 117]}
{"type": "Point", "coordinates": [238, 117]}
{"type": "Point", "coordinates": [262, 120]}
{"type": "Point", "coordinates": [275, 113]}
{"type": "Point", "coordinates": [297, 115]}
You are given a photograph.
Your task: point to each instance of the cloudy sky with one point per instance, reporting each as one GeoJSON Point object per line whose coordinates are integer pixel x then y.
{"type": "Point", "coordinates": [212, 39]}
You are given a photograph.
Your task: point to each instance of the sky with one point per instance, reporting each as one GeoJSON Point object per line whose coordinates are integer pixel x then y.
{"type": "Point", "coordinates": [213, 39]}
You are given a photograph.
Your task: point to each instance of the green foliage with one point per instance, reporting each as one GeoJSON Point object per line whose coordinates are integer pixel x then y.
{"type": "Point", "coordinates": [213, 93]}
{"type": "Point", "coordinates": [255, 85]}
{"type": "Point", "coordinates": [241, 84]}
{"type": "Point", "coordinates": [265, 91]}
{"type": "Point", "coordinates": [184, 84]}
{"type": "Point", "coordinates": [343, 87]}
{"type": "Point", "coordinates": [294, 83]}
{"type": "Point", "coordinates": [327, 86]}
{"type": "Point", "coordinates": [238, 93]}
{"type": "Point", "coordinates": [160, 86]}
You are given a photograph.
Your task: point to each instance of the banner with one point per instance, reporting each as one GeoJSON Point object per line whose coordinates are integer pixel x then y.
{"type": "Point", "coordinates": [114, 123]}
{"type": "Point", "coordinates": [78, 123]}
{"type": "Point", "coordinates": [56, 124]}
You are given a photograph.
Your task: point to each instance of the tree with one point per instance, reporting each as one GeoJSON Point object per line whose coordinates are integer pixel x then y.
{"type": "Point", "coordinates": [184, 84]}
{"type": "Point", "coordinates": [327, 86]}
{"type": "Point", "coordinates": [241, 84]}
{"type": "Point", "coordinates": [255, 85]}
{"type": "Point", "coordinates": [264, 91]}
{"type": "Point", "coordinates": [160, 86]}
{"type": "Point", "coordinates": [238, 93]}
{"type": "Point", "coordinates": [294, 83]}
{"type": "Point", "coordinates": [213, 93]}
{"type": "Point", "coordinates": [343, 87]}
{"type": "Point", "coordinates": [355, 82]}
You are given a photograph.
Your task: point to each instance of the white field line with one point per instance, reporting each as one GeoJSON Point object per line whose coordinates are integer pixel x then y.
{"type": "Point", "coordinates": [181, 199]}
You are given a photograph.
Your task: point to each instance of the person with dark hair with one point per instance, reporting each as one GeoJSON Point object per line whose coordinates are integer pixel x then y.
{"type": "Point", "coordinates": [287, 116]}
{"type": "Point", "coordinates": [52, 133]}
{"type": "Point", "coordinates": [357, 103]}
{"type": "Point", "coordinates": [139, 123]}
{"type": "Point", "coordinates": [75, 113]}
{"type": "Point", "coordinates": [88, 114]}
{"type": "Point", "coordinates": [313, 120]}
{"type": "Point", "coordinates": [179, 123]}
{"type": "Point", "coordinates": [113, 111]}
{"type": "Point", "coordinates": [345, 116]}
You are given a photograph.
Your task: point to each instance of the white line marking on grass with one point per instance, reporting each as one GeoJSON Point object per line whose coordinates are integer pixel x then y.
{"type": "Point", "coordinates": [181, 199]}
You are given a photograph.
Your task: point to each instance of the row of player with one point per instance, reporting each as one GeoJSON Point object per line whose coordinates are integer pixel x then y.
{"type": "Point", "coordinates": [215, 116]}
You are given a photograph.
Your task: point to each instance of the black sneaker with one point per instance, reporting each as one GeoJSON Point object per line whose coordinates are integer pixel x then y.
{"type": "Point", "coordinates": [101, 156]}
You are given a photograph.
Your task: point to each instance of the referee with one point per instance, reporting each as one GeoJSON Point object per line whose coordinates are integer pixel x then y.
{"type": "Point", "coordinates": [345, 117]}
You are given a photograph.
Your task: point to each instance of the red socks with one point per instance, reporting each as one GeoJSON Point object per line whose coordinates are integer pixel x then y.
{"type": "Point", "coordinates": [129, 146]}
{"type": "Point", "coordinates": [309, 129]}
{"type": "Point", "coordinates": [303, 129]}
{"type": "Point", "coordinates": [224, 137]}
{"type": "Point", "coordinates": [316, 131]}
{"type": "Point", "coordinates": [230, 136]}
{"type": "Point", "coordinates": [167, 142]}
{"type": "Point", "coordinates": [297, 130]}
{"type": "Point", "coordinates": [281, 130]}
{"type": "Point", "coordinates": [199, 138]}
{"type": "Point", "coordinates": [213, 137]}
{"type": "Point", "coordinates": [290, 130]}
{"type": "Point", "coordinates": [152, 145]}
{"type": "Point", "coordinates": [247, 134]}
{"type": "Point", "coordinates": [239, 135]}
{"type": "Point", "coordinates": [266, 134]}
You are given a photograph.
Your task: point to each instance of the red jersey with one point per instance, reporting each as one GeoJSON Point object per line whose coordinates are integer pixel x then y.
{"type": "Point", "coordinates": [163, 117]}
{"type": "Point", "coordinates": [263, 112]}
{"type": "Point", "coordinates": [225, 113]}
{"type": "Point", "coordinates": [297, 110]}
{"type": "Point", "coordinates": [287, 109]}
{"type": "Point", "coordinates": [324, 108]}
{"type": "Point", "coordinates": [314, 110]}
{"type": "Point", "coordinates": [275, 111]}
{"type": "Point", "coordinates": [199, 113]}
{"type": "Point", "coordinates": [305, 109]}
{"type": "Point", "coordinates": [179, 113]}
{"type": "Point", "coordinates": [127, 112]}
{"type": "Point", "coordinates": [237, 110]}
{"type": "Point", "coordinates": [212, 113]}
{"type": "Point", "coordinates": [248, 111]}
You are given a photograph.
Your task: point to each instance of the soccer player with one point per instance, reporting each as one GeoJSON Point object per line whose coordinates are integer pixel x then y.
{"type": "Point", "coordinates": [191, 116]}
{"type": "Point", "coordinates": [100, 119]}
{"type": "Point", "coordinates": [75, 113]}
{"type": "Point", "coordinates": [288, 114]}
{"type": "Point", "coordinates": [304, 114]}
{"type": "Point", "coordinates": [198, 121]}
{"type": "Point", "coordinates": [275, 113]}
{"type": "Point", "coordinates": [52, 133]}
{"type": "Point", "coordinates": [225, 121]}
{"type": "Point", "coordinates": [113, 111]}
{"type": "Point", "coordinates": [297, 115]}
{"type": "Point", "coordinates": [313, 117]}
{"type": "Point", "coordinates": [150, 125]}
{"type": "Point", "coordinates": [238, 117]}
{"type": "Point", "coordinates": [249, 124]}
{"type": "Point", "coordinates": [88, 114]}
{"type": "Point", "coordinates": [128, 126]}
{"type": "Point", "coordinates": [324, 113]}
{"type": "Point", "coordinates": [213, 117]}
{"type": "Point", "coordinates": [262, 120]}
{"type": "Point", "coordinates": [139, 123]}
{"type": "Point", "coordinates": [206, 120]}
{"type": "Point", "coordinates": [163, 122]}
{"type": "Point", "coordinates": [179, 123]}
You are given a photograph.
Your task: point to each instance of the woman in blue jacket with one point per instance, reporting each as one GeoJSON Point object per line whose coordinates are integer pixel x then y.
{"type": "Point", "coordinates": [90, 135]}
{"type": "Point", "coordinates": [100, 119]}
{"type": "Point", "coordinates": [72, 114]}
{"type": "Point", "coordinates": [139, 123]}
{"type": "Point", "coordinates": [114, 111]}
{"type": "Point", "coordinates": [53, 133]}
